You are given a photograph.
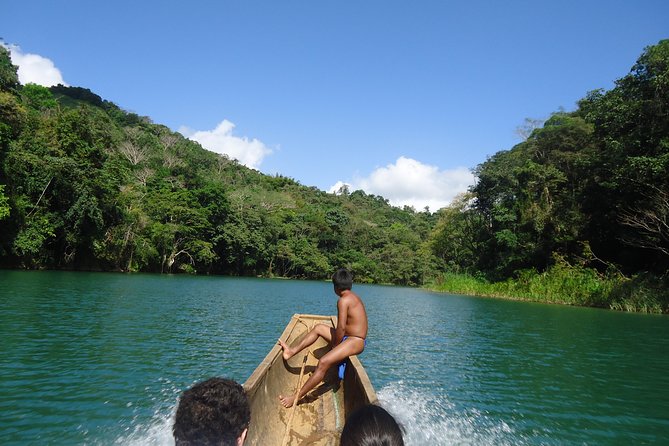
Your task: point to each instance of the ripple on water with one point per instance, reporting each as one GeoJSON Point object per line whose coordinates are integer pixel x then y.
{"type": "Point", "coordinates": [429, 418]}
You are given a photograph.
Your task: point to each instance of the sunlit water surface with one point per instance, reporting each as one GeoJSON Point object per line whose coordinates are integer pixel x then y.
{"type": "Point", "coordinates": [101, 359]}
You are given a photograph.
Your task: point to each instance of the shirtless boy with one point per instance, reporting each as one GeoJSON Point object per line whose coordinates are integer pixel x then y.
{"type": "Point", "coordinates": [346, 340]}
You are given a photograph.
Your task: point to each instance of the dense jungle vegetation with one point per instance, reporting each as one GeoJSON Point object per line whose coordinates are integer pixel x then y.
{"type": "Point", "coordinates": [576, 213]}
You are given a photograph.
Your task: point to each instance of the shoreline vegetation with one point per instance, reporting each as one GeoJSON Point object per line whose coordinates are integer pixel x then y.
{"type": "Point", "coordinates": [577, 213]}
{"type": "Point", "coordinates": [566, 284]}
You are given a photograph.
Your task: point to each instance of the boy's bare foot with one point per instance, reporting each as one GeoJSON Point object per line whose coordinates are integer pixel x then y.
{"type": "Point", "coordinates": [286, 401]}
{"type": "Point", "coordinates": [287, 351]}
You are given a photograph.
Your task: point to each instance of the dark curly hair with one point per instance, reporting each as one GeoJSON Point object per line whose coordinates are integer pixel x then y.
{"type": "Point", "coordinates": [212, 412]}
{"type": "Point", "coordinates": [371, 425]}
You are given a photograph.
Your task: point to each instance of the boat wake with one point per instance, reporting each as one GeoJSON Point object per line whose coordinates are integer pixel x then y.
{"type": "Point", "coordinates": [433, 420]}
{"type": "Point", "coordinates": [427, 419]}
{"type": "Point", "coordinates": [157, 432]}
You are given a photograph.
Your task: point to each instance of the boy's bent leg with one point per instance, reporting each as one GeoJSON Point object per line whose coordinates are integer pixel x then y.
{"type": "Point", "coordinates": [321, 330]}
{"type": "Point", "coordinates": [351, 346]}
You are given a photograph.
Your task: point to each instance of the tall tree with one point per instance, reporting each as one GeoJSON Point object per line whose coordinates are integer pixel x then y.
{"type": "Point", "coordinates": [631, 161]}
{"type": "Point", "coordinates": [9, 78]}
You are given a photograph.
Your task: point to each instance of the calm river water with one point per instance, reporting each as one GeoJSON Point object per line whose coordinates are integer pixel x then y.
{"type": "Point", "coordinates": [101, 359]}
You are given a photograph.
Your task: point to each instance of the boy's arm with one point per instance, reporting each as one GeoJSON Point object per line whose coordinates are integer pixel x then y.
{"type": "Point", "coordinates": [340, 331]}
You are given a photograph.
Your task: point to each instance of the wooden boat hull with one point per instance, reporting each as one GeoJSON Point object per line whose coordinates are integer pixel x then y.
{"type": "Point", "coordinates": [319, 420]}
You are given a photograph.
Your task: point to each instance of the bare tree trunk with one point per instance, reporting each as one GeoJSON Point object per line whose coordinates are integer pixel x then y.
{"type": "Point", "coordinates": [133, 153]}
{"type": "Point", "coordinates": [650, 222]}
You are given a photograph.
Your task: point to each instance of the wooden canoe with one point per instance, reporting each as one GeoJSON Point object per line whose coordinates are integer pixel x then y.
{"type": "Point", "coordinates": [318, 420]}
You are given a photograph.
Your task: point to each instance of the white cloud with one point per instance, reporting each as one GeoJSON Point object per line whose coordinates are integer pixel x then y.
{"type": "Point", "coordinates": [249, 152]}
{"type": "Point", "coordinates": [411, 183]}
{"type": "Point", "coordinates": [35, 69]}
{"type": "Point", "coordinates": [336, 188]}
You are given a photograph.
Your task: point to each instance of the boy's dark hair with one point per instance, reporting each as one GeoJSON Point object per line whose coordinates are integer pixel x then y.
{"type": "Point", "coordinates": [342, 279]}
{"type": "Point", "coordinates": [371, 425]}
{"type": "Point", "coordinates": [212, 412]}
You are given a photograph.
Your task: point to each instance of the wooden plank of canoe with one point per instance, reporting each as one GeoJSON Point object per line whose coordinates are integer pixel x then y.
{"type": "Point", "coordinates": [319, 420]}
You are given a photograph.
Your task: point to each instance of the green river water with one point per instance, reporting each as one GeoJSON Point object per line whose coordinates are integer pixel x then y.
{"type": "Point", "coordinates": [100, 359]}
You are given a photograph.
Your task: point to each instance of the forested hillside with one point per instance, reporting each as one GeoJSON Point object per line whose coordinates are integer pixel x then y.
{"type": "Point", "coordinates": [589, 191]}
{"type": "Point", "coordinates": [86, 185]}
{"type": "Point", "coordinates": [590, 185]}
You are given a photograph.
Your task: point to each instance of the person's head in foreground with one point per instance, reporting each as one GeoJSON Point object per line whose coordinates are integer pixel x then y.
{"type": "Point", "coordinates": [214, 412]}
{"type": "Point", "coordinates": [342, 280]}
{"type": "Point", "coordinates": [371, 426]}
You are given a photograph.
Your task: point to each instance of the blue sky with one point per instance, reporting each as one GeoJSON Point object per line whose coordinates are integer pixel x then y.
{"type": "Point", "coordinates": [398, 98]}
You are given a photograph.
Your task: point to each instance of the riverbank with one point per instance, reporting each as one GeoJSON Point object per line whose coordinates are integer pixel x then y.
{"type": "Point", "coordinates": [568, 285]}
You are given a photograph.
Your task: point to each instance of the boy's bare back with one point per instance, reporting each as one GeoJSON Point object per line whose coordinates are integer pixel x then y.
{"type": "Point", "coordinates": [352, 318]}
